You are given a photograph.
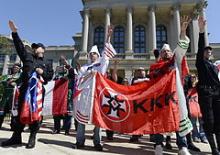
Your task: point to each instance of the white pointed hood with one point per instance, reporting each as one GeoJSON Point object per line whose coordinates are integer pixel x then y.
{"type": "Point", "coordinates": [94, 49]}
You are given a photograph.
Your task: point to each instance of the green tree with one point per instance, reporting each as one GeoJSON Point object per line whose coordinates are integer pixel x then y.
{"type": "Point", "coordinates": [6, 45]}
{"type": "Point", "coordinates": [2, 78]}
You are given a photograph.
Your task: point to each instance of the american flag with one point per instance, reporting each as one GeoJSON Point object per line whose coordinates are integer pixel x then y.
{"type": "Point", "coordinates": [33, 102]}
{"type": "Point", "coordinates": [109, 50]}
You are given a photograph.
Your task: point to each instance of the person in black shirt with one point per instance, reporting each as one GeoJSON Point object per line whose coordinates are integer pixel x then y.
{"type": "Point", "coordinates": [208, 90]}
{"type": "Point", "coordinates": [32, 62]}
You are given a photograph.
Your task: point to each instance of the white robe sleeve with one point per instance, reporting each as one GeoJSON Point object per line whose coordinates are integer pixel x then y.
{"type": "Point", "coordinates": [180, 52]}
{"type": "Point", "coordinates": [185, 123]}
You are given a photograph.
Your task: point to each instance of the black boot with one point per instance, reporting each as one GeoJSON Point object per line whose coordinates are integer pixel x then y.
{"type": "Point", "coordinates": [31, 141]}
{"type": "Point", "coordinates": [14, 140]}
{"type": "Point", "coordinates": [134, 139]}
{"type": "Point", "coordinates": [34, 129]}
{"type": "Point", "coordinates": [212, 143]}
{"type": "Point", "coordinates": [109, 134]}
{"type": "Point", "coordinates": [191, 146]}
{"type": "Point", "coordinates": [1, 120]}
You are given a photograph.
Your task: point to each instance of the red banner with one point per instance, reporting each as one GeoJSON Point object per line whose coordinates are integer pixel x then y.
{"type": "Point", "coordinates": [59, 100]}
{"type": "Point", "coordinates": [55, 100]}
{"type": "Point", "coordinates": [146, 108]}
{"type": "Point", "coordinates": [194, 107]}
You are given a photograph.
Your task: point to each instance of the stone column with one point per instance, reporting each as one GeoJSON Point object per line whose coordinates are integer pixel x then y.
{"type": "Point", "coordinates": [5, 65]}
{"type": "Point", "coordinates": [176, 24]}
{"type": "Point", "coordinates": [107, 21]}
{"type": "Point", "coordinates": [171, 34]}
{"type": "Point", "coordinates": [129, 48]}
{"type": "Point", "coordinates": [152, 30]}
{"type": "Point", "coordinates": [85, 31]}
{"type": "Point", "coordinates": [91, 35]}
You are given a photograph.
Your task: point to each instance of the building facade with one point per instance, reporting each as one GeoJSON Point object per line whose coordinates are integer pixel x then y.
{"type": "Point", "coordinates": [139, 27]}
{"type": "Point", "coordinates": [53, 54]}
{"type": "Point", "coordinates": [8, 54]}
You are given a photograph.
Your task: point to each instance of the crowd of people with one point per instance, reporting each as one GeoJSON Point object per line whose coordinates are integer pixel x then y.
{"type": "Point", "coordinates": [199, 109]}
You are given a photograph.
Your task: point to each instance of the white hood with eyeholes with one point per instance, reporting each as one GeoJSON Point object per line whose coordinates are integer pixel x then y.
{"type": "Point", "coordinates": [94, 49]}
{"type": "Point", "coordinates": [100, 65]}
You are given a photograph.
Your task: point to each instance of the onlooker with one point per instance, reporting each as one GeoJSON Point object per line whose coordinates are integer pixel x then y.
{"type": "Point", "coordinates": [195, 112]}
{"type": "Point", "coordinates": [208, 90]}
{"type": "Point", "coordinates": [9, 83]}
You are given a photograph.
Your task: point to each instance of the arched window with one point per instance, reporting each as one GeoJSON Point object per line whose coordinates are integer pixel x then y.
{"type": "Point", "coordinates": [2, 58]}
{"type": "Point", "coordinates": [161, 36]}
{"type": "Point", "coordinates": [139, 39]}
{"type": "Point", "coordinates": [119, 39]}
{"type": "Point", "coordinates": [13, 57]}
{"type": "Point", "coordinates": [99, 37]}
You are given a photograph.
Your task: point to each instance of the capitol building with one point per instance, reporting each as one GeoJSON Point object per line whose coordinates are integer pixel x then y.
{"type": "Point", "coordinates": [140, 26]}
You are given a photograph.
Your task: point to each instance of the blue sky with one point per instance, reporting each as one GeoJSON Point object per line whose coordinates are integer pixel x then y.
{"type": "Point", "coordinates": [54, 22]}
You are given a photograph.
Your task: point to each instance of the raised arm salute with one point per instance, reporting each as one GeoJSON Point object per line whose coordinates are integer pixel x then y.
{"type": "Point", "coordinates": [97, 63]}
{"type": "Point", "coordinates": [34, 67]}
{"type": "Point", "coordinates": [208, 90]}
{"type": "Point", "coordinates": [201, 43]}
{"type": "Point", "coordinates": [170, 60]}
{"type": "Point", "coordinates": [19, 46]}
{"type": "Point", "coordinates": [110, 31]}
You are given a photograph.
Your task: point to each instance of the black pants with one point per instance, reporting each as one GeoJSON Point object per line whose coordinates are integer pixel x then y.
{"type": "Point", "coordinates": [18, 127]}
{"type": "Point", "coordinates": [209, 101]}
{"type": "Point", "coordinates": [109, 133]}
{"type": "Point", "coordinates": [67, 122]}
{"type": "Point", "coordinates": [57, 122]}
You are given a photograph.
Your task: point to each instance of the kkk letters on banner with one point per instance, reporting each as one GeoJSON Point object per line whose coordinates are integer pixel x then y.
{"type": "Point", "coordinates": [146, 108]}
